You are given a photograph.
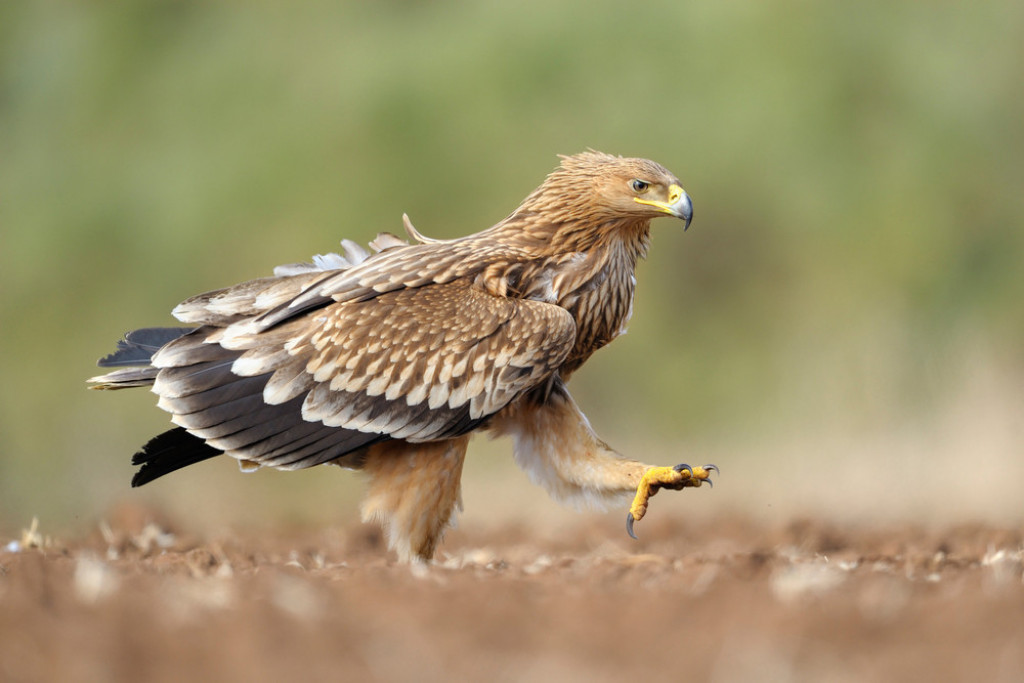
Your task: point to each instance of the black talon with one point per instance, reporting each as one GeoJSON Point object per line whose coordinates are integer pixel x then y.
{"type": "Point", "coordinates": [683, 466]}
{"type": "Point", "coordinates": [712, 467]}
{"type": "Point", "coordinates": [629, 525]}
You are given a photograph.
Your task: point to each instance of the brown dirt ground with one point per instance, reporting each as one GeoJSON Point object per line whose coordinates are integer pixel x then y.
{"type": "Point", "coordinates": [733, 600]}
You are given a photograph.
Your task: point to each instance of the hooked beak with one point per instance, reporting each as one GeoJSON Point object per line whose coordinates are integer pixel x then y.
{"type": "Point", "coordinates": [678, 204]}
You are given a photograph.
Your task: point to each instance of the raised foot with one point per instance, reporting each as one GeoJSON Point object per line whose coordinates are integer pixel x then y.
{"type": "Point", "coordinates": [679, 477]}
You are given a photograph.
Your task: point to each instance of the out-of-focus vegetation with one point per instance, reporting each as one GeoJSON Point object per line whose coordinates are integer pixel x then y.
{"type": "Point", "coordinates": [853, 270]}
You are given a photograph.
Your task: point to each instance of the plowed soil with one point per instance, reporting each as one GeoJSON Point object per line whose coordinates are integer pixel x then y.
{"type": "Point", "coordinates": [732, 600]}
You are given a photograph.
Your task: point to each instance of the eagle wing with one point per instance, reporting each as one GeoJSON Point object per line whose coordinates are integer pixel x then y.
{"type": "Point", "coordinates": [418, 363]}
{"type": "Point", "coordinates": [262, 304]}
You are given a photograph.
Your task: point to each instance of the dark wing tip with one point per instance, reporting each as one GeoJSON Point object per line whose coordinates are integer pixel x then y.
{"type": "Point", "coordinates": [167, 452]}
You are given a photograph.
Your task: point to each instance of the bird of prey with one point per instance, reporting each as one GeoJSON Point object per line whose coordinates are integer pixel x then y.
{"type": "Point", "coordinates": [387, 362]}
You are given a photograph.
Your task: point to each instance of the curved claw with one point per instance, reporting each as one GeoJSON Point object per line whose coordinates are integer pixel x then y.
{"type": "Point", "coordinates": [712, 467]}
{"type": "Point", "coordinates": [629, 526]}
{"type": "Point", "coordinates": [683, 466]}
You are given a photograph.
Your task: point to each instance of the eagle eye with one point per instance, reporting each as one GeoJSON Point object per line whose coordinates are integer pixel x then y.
{"type": "Point", "coordinates": [639, 186]}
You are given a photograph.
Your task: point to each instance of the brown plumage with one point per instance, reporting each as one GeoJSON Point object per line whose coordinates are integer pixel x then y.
{"type": "Point", "coordinates": [387, 362]}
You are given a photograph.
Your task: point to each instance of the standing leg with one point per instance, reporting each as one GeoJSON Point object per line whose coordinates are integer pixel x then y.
{"type": "Point", "coordinates": [414, 490]}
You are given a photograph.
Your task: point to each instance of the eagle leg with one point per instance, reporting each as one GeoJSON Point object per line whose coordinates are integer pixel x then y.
{"type": "Point", "coordinates": [414, 492]}
{"type": "Point", "coordinates": [676, 478]}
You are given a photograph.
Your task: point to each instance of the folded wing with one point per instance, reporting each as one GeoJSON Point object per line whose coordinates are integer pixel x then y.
{"type": "Point", "coordinates": [418, 363]}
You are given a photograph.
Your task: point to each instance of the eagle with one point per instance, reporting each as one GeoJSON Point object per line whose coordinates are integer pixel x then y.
{"type": "Point", "coordinates": [388, 361]}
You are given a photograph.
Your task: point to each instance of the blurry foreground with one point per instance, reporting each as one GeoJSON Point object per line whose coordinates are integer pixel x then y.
{"type": "Point", "coordinates": [729, 600]}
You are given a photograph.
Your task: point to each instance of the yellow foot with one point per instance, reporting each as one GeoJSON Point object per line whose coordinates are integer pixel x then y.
{"type": "Point", "coordinates": [675, 478]}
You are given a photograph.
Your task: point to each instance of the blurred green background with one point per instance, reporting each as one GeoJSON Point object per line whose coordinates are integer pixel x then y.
{"type": "Point", "coordinates": [841, 328]}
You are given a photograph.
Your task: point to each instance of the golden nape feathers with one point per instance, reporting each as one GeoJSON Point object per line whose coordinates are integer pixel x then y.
{"type": "Point", "coordinates": [387, 361]}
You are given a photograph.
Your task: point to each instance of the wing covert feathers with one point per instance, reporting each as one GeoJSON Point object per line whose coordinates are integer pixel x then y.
{"type": "Point", "coordinates": [416, 364]}
{"type": "Point", "coordinates": [298, 287]}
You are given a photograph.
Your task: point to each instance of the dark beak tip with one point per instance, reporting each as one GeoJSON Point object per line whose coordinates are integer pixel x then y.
{"type": "Point", "coordinates": [684, 210]}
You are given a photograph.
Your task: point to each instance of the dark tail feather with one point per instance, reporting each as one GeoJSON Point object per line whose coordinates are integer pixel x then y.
{"type": "Point", "coordinates": [138, 346]}
{"type": "Point", "coordinates": [168, 452]}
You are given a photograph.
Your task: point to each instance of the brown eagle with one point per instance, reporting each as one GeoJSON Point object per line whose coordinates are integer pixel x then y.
{"type": "Point", "coordinates": [388, 362]}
